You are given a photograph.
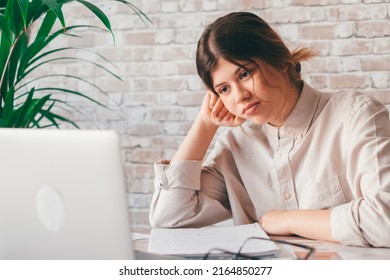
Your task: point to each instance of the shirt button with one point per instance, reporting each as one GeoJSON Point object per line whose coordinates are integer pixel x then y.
{"type": "Point", "coordinates": [287, 195]}
{"type": "Point", "coordinates": [298, 136]}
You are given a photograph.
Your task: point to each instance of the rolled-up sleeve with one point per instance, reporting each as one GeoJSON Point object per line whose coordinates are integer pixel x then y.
{"type": "Point", "coordinates": [366, 219]}
{"type": "Point", "coordinates": [182, 198]}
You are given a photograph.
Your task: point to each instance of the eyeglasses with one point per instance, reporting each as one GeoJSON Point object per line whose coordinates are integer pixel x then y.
{"type": "Point", "coordinates": [217, 253]}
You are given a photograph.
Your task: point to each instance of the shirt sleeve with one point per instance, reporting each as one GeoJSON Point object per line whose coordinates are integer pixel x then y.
{"type": "Point", "coordinates": [187, 195]}
{"type": "Point", "coordinates": [366, 220]}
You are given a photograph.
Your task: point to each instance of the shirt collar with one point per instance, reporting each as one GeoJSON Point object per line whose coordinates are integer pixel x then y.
{"type": "Point", "coordinates": [301, 117]}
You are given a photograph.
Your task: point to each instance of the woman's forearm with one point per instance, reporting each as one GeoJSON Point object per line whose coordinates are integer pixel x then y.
{"type": "Point", "coordinates": [313, 224]}
{"type": "Point", "coordinates": [197, 141]}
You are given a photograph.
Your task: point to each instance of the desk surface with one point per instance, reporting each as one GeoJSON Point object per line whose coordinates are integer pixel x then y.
{"type": "Point", "coordinates": [323, 250]}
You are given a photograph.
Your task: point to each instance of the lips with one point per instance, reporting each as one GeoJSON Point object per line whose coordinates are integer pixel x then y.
{"type": "Point", "coordinates": [250, 107]}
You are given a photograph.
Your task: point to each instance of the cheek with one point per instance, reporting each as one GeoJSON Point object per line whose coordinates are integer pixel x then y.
{"type": "Point", "coordinates": [230, 105]}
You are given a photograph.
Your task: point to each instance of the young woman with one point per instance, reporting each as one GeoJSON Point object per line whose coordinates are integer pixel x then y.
{"type": "Point", "coordinates": [295, 160]}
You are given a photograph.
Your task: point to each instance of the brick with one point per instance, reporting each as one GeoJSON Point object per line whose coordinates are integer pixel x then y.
{"type": "Point", "coordinates": [162, 53]}
{"type": "Point", "coordinates": [168, 98]}
{"type": "Point", "coordinates": [353, 12]}
{"type": "Point", "coordinates": [350, 64]}
{"type": "Point", "coordinates": [319, 81]}
{"type": "Point", "coordinates": [144, 171]}
{"type": "Point", "coordinates": [191, 6]}
{"type": "Point", "coordinates": [162, 141]}
{"type": "Point", "coordinates": [208, 5]}
{"type": "Point", "coordinates": [376, 63]}
{"type": "Point", "coordinates": [142, 155]}
{"type": "Point", "coordinates": [315, 2]}
{"type": "Point", "coordinates": [142, 54]}
{"type": "Point", "coordinates": [380, 11]}
{"type": "Point", "coordinates": [164, 36]}
{"type": "Point", "coordinates": [381, 46]}
{"type": "Point", "coordinates": [231, 5]}
{"type": "Point", "coordinates": [150, 6]}
{"type": "Point", "coordinates": [323, 65]}
{"type": "Point", "coordinates": [351, 1]}
{"type": "Point", "coordinates": [288, 31]}
{"type": "Point", "coordinates": [144, 38]}
{"type": "Point", "coordinates": [351, 47]}
{"type": "Point", "coordinates": [349, 81]}
{"type": "Point", "coordinates": [144, 128]}
{"type": "Point", "coordinates": [180, 20]}
{"type": "Point", "coordinates": [186, 67]}
{"type": "Point", "coordinates": [290, 15]}
{"type": "Point", "coordinates": [345, 30]}
{"type": "Point", "coordinates": [188, 35]}
{"type": "Point", "coordinates": [372, 29]}
{"type": "Point", "coordinates": [176, 128]}
{"type": "Point", "coordinates": [167, 83]}
{"type": "Point", "coordinates": [139, 200]}
{"type": "Point", "coordinates": [169, 6]}
{"type": "Point", "coordinates": [134, 141]}
{"type": "Point", "coordinates": [140, 186]}
{"type": "Point", "coordinates": [140, 99]}
{"type": "Point", "coordinates": [381, 80]}
{"type": "Point", "coordinates": [167, 113]}
{"type": "Point", "coordinates": [190, 99]}
{"type": "Point", "coordinates": [317, 31]}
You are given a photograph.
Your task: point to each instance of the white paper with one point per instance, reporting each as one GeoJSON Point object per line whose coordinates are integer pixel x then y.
{"type": "Point", "coordinates": [199, 241]}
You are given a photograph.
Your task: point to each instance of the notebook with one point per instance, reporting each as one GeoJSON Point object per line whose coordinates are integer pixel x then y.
{"type": "Point", "coordinates": [62, 196]}
{"type": "Point", "coordinates": [216, 240]}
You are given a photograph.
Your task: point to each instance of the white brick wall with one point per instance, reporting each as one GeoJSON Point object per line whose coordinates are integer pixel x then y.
{"type": "Point", "coordinates": [161, 92]}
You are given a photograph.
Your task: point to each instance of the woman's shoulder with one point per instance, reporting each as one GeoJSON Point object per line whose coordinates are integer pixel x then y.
{"type": "Point", "coordinates": [351, 101]}
{"type": "Point", "coordinates": [353, 98]}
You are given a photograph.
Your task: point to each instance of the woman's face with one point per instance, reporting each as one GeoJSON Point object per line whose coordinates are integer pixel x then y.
{"type": "Point", "coordinates": [245, 95]}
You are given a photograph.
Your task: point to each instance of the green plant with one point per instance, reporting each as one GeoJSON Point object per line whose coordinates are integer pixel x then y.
{"type": "Point", "coordinates": [22, 104]}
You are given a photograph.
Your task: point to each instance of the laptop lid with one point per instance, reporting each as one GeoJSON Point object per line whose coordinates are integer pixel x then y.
{"type": "Point", "coordinates": [62, 195]}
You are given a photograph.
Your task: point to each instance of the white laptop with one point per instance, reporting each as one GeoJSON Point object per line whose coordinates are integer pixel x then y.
{"type": "Point", "coordinates": [62, 195]}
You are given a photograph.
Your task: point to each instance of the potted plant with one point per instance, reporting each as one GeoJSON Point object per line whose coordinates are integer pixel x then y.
{"type": "Point", "coordinates": [23, 101]}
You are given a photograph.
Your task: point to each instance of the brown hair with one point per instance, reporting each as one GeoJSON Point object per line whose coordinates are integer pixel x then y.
{"type": "Point", "coordinates": [243, 36]}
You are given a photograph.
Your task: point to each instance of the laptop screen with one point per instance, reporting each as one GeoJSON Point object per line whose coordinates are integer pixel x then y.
{"type": "Point", "coordinates": [62, 195]}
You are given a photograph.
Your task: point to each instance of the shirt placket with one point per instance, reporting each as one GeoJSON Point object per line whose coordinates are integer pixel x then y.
{"type": "Point", "coordinates": [281, 164]}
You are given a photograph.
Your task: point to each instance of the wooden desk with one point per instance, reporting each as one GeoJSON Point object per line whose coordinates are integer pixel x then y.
{"type": "Point", "coordinates": [323, 250]}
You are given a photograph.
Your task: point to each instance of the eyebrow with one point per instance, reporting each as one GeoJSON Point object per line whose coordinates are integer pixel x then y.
{"type": "Point", "coordinates": [235, 72]}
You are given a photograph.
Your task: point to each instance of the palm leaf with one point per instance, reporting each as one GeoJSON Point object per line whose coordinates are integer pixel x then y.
{"type": "Point", "coordinates": [5, 30]}
{"type": "Point", "coordinates": [56, 9]}
{"type": "Point", "coordinates": [69, 58]}
{"type": "Point", "coordinates": [77, 93]}
{"type": "Point", "coordinates": [23, 6]}
{"type": "Point", "coordinates": [140, 14]}
{"type": "Point", "coordinates": [18, 58]}
{"type": "Point", "coordinates": [8, 108]}
{"type": "Point", "coordinates": [100, 14]}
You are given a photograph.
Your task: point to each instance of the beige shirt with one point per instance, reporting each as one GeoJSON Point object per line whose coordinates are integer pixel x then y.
{"type": "Point", "coordinates": [332, 152]}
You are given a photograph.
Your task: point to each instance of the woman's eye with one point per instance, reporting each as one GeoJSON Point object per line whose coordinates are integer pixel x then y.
{"type": "Point", "coordinates": [223, 90]}
{"type": "Point", "coordinates": [244, 74]}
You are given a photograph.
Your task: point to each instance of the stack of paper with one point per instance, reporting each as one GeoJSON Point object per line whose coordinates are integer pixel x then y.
{"type": "Point", "coordinates": [196, 242]}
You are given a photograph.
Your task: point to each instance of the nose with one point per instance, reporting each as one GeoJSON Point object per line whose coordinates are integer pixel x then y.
{"type": "Point", "coordinates": [241, 94]}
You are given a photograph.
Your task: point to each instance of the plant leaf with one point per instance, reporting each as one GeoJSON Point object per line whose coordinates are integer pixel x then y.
{"type": "Point", "coordinates": [56, 8]}
{"type": "Point", "coordinates": [100, 14]}
{"type": "Point", "coordinates": [8, 109]}
{"type": "Point", "coordinates": [23, 5]}
{"type": "Point", "coordinates": [139, 13]}
{"type": "Point", "coordinates": [5, 30]}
